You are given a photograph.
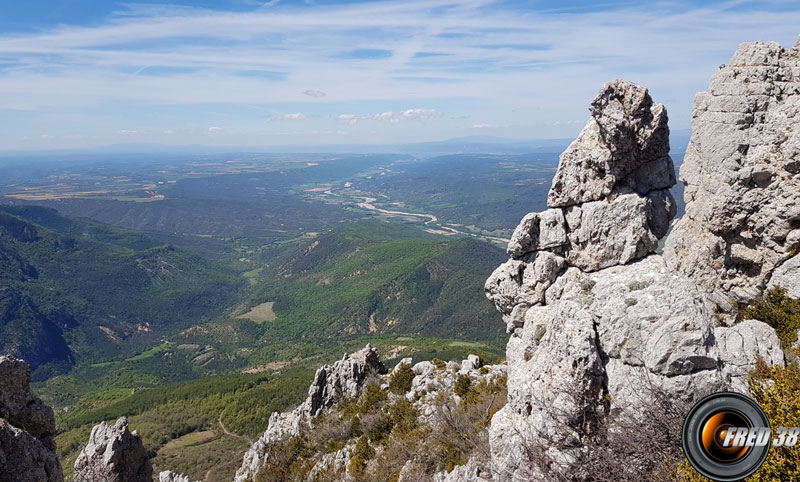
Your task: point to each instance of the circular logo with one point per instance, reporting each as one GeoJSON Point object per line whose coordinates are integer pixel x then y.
{"type": "Point", "coordinates": [726, 436]}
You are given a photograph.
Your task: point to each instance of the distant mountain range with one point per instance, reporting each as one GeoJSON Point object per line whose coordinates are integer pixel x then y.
{"type": "Point", "coordinates": [458, 145]}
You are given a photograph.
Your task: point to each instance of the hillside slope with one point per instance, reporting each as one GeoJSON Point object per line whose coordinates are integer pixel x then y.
{"type": "Point", "coordinates": [383, 278]}
{"type": "Point", "coordinates": [74, 289]}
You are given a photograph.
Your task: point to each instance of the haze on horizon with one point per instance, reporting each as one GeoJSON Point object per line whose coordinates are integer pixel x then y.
{"type": "Point", "coordinates": [87, 73]}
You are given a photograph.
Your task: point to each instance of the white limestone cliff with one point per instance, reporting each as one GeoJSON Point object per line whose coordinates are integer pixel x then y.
{"type": "Point", "coordinates": [601, 325]}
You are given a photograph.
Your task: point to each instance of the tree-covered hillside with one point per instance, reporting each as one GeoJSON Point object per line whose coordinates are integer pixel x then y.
{"type": "Point", "coordinates": [73, 289]}
{"type": "Point", "coordinates": [383, 278]}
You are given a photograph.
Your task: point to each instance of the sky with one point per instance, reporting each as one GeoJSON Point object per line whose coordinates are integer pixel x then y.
{"type": "Point", "coordinates": [85, 73]}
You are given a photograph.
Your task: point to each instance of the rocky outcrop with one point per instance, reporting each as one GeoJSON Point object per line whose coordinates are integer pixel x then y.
{"type": "Point", "coordinates": [601, 325]}
{"type": "Point", "coordinates": [428, 390]}
{"type": "Point", "coordinates": [740, 346]}
{"type": "Point", "coordinates": [333, 465]}
{"type": "Point", "coordinates": [741, 230]}
{"type": "Point", "coordinates": [472, 471]}
{"type": "Point", "coordinates": [787, 276]}
{"type": "Point", "coordinates": [609, 202]}
{"type": "Point", "coordinates": [27, 425]}
{"type": "Point", "coordinates": [344, 378]}
{"type": "Point", "coordinates": [431, 384]}
{"type": "Point", "coordinates": [113, 454]}
{"type": "Point", "coordinates": [169, 476]}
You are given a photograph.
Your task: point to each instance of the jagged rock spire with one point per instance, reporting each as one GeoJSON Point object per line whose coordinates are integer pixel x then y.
{"type": "Point", "coordinates": [609, 202]}
{"type": "Point", "coordinates": [624, 143]}
{"type": "Point", "coordinates": [113, 454]}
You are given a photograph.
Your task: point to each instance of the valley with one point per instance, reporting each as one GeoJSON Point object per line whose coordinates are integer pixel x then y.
{"type": "Point", "coordinates": [196, 295]}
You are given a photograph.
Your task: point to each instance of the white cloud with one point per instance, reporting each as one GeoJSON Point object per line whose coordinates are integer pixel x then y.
{"type": "Point", "coordinates": [169, 131]}
{"type": "Point", "coordinates": [215, 129]}
{"type": "Point", "coordinates": [481, 126]}
{"type": "Point", "coordinates": [387, 117]}
{"type": "Point", "coordinates": [391, 117]}
{"type": "Point", "coordinates": [127, 132]}
{"type": "Point", "coordinates": [421, 114]}
{"type": "Point", "coordinates": [295, 116]}
{"type": "Point", "coordinates": [489, 57]}
{"type": "Point", "coordinates": [349, 118]}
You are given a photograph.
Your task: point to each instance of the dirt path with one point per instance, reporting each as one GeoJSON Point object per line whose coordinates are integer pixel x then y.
{"type": "Point", "coordinates": [231, 434]}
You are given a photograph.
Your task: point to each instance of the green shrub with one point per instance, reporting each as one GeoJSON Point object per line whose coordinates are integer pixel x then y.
{"type": "Point", "coordinates": [372, 398]}
{"type": "Point", "coordinates": [777, 390]}
{"type": "Point", "coordinates": [778, 311]}
{"type": "Point", "coordinates": [361, 454]}
{"type": "Point", "coordinates": [637, 285]}
{"type": "Point", "coordinates": [440, 364]}
{"type": "Point", "coordinates": [403, 416]}
{"type": "Point", "coordinates": [401, 380]}
{"type": "Point", "coordinates": [462, 385]}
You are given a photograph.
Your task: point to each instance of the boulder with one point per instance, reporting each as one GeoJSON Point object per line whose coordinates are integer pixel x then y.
{"type": "Point", "coordinates": [740, 346]}
{"type": "Point", "coordinates": [24, 458]}
{"type": "Point", "coordinates": [787, 276]}
{"type": "Point", "coordinates": [19, 406]}
{"type": "Point", "coordinates": [472, 471]}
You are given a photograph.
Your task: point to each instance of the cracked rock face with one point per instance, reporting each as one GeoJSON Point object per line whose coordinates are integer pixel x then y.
{"type": "Point", "coordinates": [599, 322]}
{"type": "Point", "coordinates": [27, 425]}
{"type": "Point", "coordinates": [113, 454]}
{"type": "Point", "coordinates": [609, 203]}
{"type": "Point", "coordinates": [625, 143]}
{"type": "Point", "coordinates": [344, 378]}
{"type": "Point", "coordinates": [742, 178]}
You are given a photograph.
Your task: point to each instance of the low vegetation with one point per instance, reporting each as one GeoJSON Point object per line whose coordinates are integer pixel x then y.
{"type": "Point", "coordinates": [382, 431]}
{"type": "Point", "coordinates": [182, 424]}
{"type": "Point", "coordinates": [778, 311]}
{"type": "Point", "coordinates": [777, 390]}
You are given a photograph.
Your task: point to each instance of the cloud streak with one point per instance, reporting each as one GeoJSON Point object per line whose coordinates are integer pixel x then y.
{"type": "Point", "coordinates": [503, 64]}
{"type": "Point", "coordinates": [391, 117]}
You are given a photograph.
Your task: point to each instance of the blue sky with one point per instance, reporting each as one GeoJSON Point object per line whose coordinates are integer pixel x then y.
{"type": "Point", "coordinates": [84, 73]}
